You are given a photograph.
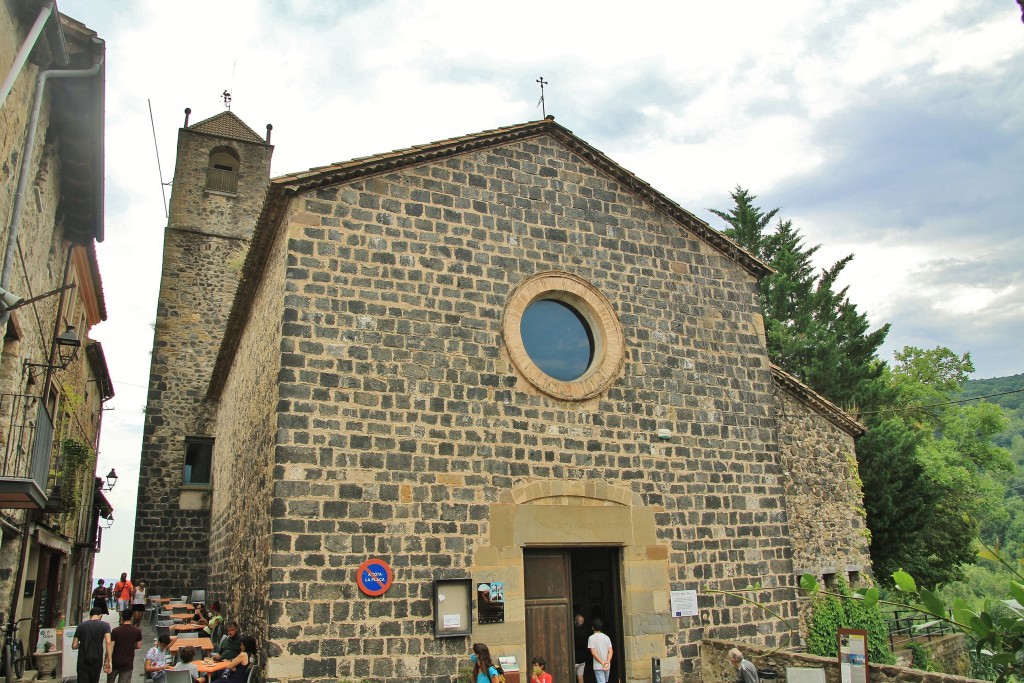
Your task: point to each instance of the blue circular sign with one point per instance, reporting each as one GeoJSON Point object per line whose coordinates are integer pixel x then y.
{"type": "Point", "coordinates": [374, 577]}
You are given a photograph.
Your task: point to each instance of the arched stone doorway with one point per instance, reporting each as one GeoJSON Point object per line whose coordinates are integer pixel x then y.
{"type": "Point", "coordinates": [545, 518]}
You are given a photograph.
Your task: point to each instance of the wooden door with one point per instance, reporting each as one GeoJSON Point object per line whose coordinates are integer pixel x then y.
{"type": "Point", "coordinates": [548, 593]}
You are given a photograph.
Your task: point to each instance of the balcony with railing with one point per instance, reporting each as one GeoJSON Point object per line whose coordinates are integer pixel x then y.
{"type": "Point", "coordinates": [220, 180]}
{"type": "Point", "coordinates": [25, 468]}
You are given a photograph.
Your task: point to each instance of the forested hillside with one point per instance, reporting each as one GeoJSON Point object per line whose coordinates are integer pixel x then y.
{"type": "Point", "coordinates": [1007, 392]}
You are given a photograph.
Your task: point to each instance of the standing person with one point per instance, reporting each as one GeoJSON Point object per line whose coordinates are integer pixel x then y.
{"type": "Point", "coordinates": [156, 659]}
{"type": "Point", "coordinates": [139, 602]}
{"type": "Point", "coordinates": [99, 597]}
{"type": "Point", "coordinates": [539, 674]}
{"type": "Point", "coordinates": [746, 672]}
{"type": "Point", "coordinates": [123, 590]}
{"type": "Point", "coordinates": [600, 647]}
{"type": "Point", "coordinates": [127, 638]}
{"type": "Point", "coordinates": [483, 667]}
{"type": "Point", "coordinates": [92, 640]}
{"type": "Point", "coordinates": [580, 636]}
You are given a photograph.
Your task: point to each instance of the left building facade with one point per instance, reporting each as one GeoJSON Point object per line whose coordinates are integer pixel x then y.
{"type": "Point", "coordinates": [53, 377]}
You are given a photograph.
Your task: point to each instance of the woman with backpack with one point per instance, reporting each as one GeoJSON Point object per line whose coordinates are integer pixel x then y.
{"type": "Point", "coordinates": [484, 670]}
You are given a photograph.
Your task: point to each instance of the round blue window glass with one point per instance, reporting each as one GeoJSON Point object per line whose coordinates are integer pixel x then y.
{"type": "Point", "coordinates": [557, 339]}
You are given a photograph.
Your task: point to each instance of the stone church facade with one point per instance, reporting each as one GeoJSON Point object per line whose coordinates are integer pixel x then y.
{"type": "Point", "coordinates": [369, 392]}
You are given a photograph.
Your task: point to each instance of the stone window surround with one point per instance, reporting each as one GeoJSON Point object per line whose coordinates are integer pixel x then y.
{"type": "Point", "coordinates": [609, 344]}
{"type": "Point", "coordinates": [197, 441]}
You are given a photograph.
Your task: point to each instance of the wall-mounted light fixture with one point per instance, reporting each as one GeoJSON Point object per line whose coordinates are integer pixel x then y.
{"type": "Point", "coordinates": [664, 434]}
{"type": "Point", "coordinates": [109, 521]}
{"type": "Point", "coordinates": [111, 480]}
{"type": "Point", "coordinates": [65, 350]}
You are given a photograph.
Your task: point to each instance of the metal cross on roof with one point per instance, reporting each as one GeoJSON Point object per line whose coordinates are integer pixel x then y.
{"type": "Point", "coordinates": [226, 96]}
{"type": "Point", "coordinates": [540, 102]}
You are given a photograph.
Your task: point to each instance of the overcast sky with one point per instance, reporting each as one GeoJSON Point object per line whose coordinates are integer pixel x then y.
{"type": "Point", "coordinates": [892, 130]}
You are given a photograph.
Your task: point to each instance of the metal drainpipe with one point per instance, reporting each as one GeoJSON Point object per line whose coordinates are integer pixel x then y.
{"type": "Point", "coordinates": [49, 10]}
{"type": "Point", "coordinates": [26, 163]}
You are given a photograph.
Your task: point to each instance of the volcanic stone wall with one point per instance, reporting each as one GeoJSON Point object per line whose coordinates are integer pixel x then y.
{"type": "Point", "coordinates": [246, 429]}
{"type": "Point", "coordinates": [400, 419]}
{"type": "Point", "coordinates": [205, 244]}
{"type": "Point", "coordinates": [824, 499]}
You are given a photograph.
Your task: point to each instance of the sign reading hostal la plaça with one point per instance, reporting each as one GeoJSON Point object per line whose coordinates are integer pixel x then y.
{"type": "Point", "coordinates": [374, 577]}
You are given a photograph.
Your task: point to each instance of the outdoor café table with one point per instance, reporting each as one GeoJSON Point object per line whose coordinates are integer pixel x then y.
{"type": "Point", "coordinates": [178, 605]}
{"type": "Point", "coordinates": [187, 627]}
{"type": "Point", "coordinates": [205, 643]}
{"type": "Point", "coordinates": [205, 668]}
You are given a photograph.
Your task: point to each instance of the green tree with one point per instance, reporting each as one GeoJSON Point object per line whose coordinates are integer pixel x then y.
{"type": "Point", "coordinates": [814, 331]}
{"type": "Point", "coordinates": [932, 475]}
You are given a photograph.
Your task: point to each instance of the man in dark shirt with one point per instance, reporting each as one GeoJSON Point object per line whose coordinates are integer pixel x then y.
{"type": "Point", "coordinates": [230, 645]}
{"type": "Point", "coordinates": [127, 638]}
{"type": "Point", "coordinates": [92, 640]}
{"type": "Point", "coordinates": [580, 651]}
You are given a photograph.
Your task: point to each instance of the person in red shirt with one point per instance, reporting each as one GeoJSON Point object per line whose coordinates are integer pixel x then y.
{"type": "Point", "coordinates": [123, 590]}
{"type": "Point", "coordinates": [539, 674]}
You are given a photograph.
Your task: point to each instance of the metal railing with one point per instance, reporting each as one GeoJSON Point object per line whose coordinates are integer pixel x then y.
{"type": "Point", "coordinates": [29, 438]}
{"type": "Point", "coordinates": [906, 627]}
{"type": "Point", "coordinates": [219, 180]}
{"type": "Point", "coordinates": [33, 444]}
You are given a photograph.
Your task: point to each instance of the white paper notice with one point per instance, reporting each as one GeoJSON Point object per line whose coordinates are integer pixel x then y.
{"type": "Point", "coordinates": [452, 621]}
{"type": "Point", "coordinates": [684, 603]}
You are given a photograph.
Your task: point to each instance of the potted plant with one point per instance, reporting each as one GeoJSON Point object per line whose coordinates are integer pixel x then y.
{"type": "Point", "coordinates": [46, 661]}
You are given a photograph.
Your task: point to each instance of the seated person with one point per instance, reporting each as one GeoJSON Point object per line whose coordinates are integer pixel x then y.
{"type": "Point", "coordinates": [230, 645]}
{"type": "Point", "coordinates": [157, 658]}
{"type": "Point", "coordinates": [239, 671]}
{"type": "Point", "coordinates": [185, 657]}
{"type": "Point", "coordinates": [213, 618]}
{"type": "Point", "coordinates": [199, 615]}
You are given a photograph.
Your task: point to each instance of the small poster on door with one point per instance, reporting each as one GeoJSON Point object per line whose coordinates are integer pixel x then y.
{"type": "Point", "coordinates": [490, 603]}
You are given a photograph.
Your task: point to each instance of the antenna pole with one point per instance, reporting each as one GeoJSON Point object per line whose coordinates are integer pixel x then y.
{"type": "Point", "coordinates": [157, 148]}
{"type": "Point", "coordinates": [543, 108]}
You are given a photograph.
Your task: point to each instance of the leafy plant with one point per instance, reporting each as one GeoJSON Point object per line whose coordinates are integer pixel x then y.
{"type": "Point", "coordinates": [833, 611]}
{"type": "Point", "coordinates": [921, 658]}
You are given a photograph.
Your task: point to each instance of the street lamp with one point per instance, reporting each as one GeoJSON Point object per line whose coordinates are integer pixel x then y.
{"type": "Point", "coordinates": [109, 521]}
{"type": "Point", "coordinates": [111, 480]}
{"type": "Point", "coordinates": [67, 347]}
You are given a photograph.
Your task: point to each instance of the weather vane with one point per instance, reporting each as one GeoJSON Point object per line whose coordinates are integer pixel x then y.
{"type": "Point", "coordinates": [226, 96]}
{"type": "Point", "coordinates": [540, 102]}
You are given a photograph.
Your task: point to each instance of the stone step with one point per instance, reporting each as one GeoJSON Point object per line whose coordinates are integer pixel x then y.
{"type": "Point", "coordinates": [31, 675]}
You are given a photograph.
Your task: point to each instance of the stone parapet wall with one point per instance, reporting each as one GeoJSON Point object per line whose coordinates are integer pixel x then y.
{"type": "Point", "coordinates": [715, 667]}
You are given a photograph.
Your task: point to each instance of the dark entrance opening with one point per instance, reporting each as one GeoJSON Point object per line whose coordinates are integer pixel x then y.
{"type": "Point", "coordinates": [560, 582]}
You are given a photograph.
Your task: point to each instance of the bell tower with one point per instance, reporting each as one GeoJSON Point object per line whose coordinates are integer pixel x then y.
{"type": "Point", "coordinates": [221, 176]}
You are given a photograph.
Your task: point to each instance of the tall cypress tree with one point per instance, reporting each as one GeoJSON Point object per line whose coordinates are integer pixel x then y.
{"type": "Point", "coordinates": [928, 476]}
{"type": "Point", "coordinates": [814, 331]}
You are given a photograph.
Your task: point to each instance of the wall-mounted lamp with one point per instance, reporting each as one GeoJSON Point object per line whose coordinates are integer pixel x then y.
{"type": "Point", "coordinates": [111, 480]}
{"type": "Point", "coordinates": [67, 345]}
{"type": "Point", "coordinates": [65, 349]}
{"type": "Point", "coordinates": [109, 521]}
{"type": "Point", "coordinates": [664, 434]}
